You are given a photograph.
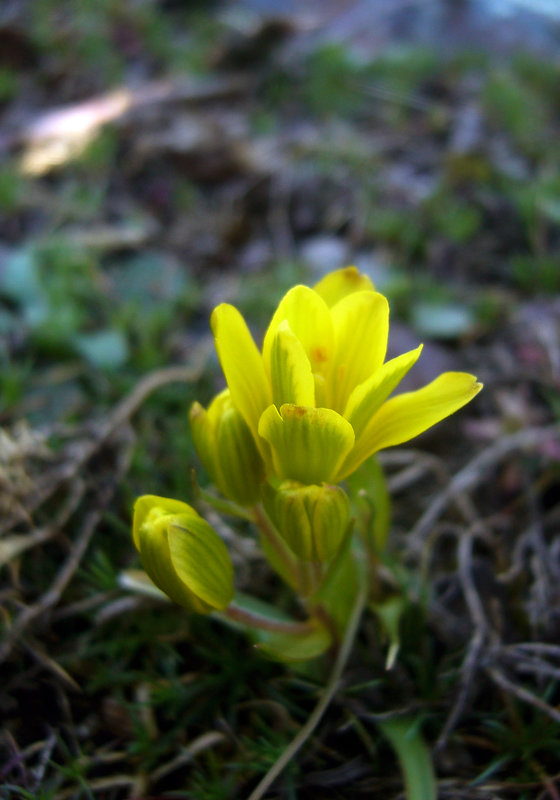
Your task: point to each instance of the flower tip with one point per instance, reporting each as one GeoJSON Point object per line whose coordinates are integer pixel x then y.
{"type": "Point", "coordinates": [195, 410]}
{"type": "Point", "coordinates": [214, 319]}
{"type": "Point", "coordinates": [475, 385]}
{"type": "Point", "coordinates": [464, 382]}
{"type": "Point", "coordinates": [219, 313]}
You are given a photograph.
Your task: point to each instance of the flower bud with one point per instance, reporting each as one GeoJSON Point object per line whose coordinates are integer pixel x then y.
{"type": "Point", "coordinates": [227, 449]}
{"type": "Point", "coordinates": [182, 554]}
{"type": "Point", "coordinates": [312, 519]}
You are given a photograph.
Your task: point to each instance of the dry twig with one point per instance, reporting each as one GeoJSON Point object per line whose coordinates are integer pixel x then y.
{"type": "Point", "coordinates": [468, 477]}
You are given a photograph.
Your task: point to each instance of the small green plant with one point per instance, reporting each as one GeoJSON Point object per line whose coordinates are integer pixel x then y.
{"type": "Point", "coordinates": [295, 421]}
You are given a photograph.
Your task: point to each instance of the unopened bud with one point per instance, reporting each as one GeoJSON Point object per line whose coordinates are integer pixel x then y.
{"type": "Point", "coordinates": [312, 519]}
{"type": "Point", "coordinates": [227, 449]}
{"type": "Point", "coordinates": [182, 554]}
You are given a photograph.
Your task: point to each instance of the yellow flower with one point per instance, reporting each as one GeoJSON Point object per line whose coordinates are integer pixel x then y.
{"type": "Point", "coordinates": [182, 554]}
{"type": "Point", "coordinates": [316, 398]}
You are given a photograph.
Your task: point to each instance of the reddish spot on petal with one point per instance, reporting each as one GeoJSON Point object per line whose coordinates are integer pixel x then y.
{"type": "Point", "coordinates": [319, 354]}
{"type": "Point", "coordinates": [352, 275]}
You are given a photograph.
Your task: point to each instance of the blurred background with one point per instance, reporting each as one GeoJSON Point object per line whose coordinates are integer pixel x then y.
{"type": "Point", "coordinates": [158, 157]}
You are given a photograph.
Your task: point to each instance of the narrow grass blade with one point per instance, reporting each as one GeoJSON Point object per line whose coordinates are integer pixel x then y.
{"type": "Point", "coordinates": [414, 757]}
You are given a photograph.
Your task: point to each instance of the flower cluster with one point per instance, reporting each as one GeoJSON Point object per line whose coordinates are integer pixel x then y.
{"type": "Point", "coordinates": [296, 419]}
{"type": "Point", "coordinates": [315, 399]}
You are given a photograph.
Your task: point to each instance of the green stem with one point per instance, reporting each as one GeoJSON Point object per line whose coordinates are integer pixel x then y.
{"type": "Point", "coordinates": [324, 616]}
{"type": "Point", "coordinates": [311, 574]}
{"type": "Point", "coordinates": [253, 620]}
{"type": "Point", "coordinates": [328, 694]}
{"type": "Point", "coordinates": [276, 543]}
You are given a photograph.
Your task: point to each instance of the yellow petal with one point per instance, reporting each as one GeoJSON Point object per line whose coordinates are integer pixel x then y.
{"type": "Point", "coordinates": [201, 560]}
{"type": "Point", "coordinates": [290, 371]}
{"type": "Point", "coordinates": [308, 444]}
{"type": "Point", "coordinates": [368, 396]}
{"type": "Point", "coordinates": [242, 364]}
{"type": "Point", "coordinates": [361, 325]}
{"type": "Point", "coordinates": [336, 285]}
{"type": "Point", "coordinates": [309, 320]}
{"type": "Point", "coordinates": [407, 415]}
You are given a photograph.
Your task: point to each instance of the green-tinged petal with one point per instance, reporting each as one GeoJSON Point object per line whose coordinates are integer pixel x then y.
{"type": "Point", "coordinates": [227, 449]}
{"type": "Point", "coordinates": [203, 436]}
{"type": "Point", "coordinates": [361, 325]}
{"type": "Point", "coordinates": [240, 467]}
{"type": "Point", "coordinates": [308, 444]}
{"type": "Point", "coordinates": [309, 320]}
{"type": "Point", "coordinates": [336, 285]}
{"type": "Point", "coordinates": [405, 416]}
{"type": "Point", "coordinates": [164, 505]}
{"type": "Point", "coordinates": [242, 364]}
{"type": "Point", "coordinates": [201, 560]}
{"type": "Point", "coordinates": [290, 371]}
{"type": "Point", "coordinates": [368, 396]}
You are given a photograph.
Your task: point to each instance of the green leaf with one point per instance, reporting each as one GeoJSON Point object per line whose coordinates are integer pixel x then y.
{"type": "Point", "coordinates": [389, 613]}
{"type": "Point", "coordinates": [139, 582]}
{"type": "Point", "coordinates": [254, 605]}
{"type": "Point", "coordinates": [107, 349]}
{"type": "Point", "coordinates": [414, 756]}
{"type": "Point", "coordinates": [20, 281]}
{"type": "Point", "coordinates": [371, 502]}
{"type": "Point", "coordinates": [339, 589]}
{"type": "Point", "coordinates": [293, 648]}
